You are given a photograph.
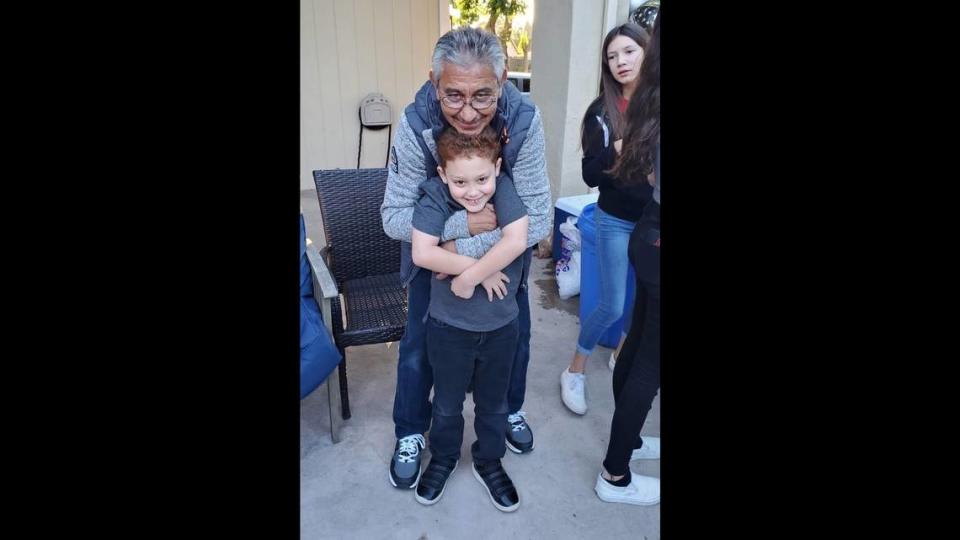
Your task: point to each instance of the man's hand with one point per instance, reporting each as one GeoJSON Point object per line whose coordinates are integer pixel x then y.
{"type": "Point", "coordinates": [462, 288]}
{"type": "Point", "coordinates": [482, 221]}
{"type": "Point", "coordinates": [496, 284]}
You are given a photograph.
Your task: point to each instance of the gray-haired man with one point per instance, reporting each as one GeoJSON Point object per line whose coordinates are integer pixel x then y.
{"type": "Point", "coordinates": [467, 90]}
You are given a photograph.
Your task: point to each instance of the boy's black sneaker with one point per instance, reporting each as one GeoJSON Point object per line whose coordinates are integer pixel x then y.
{"type": "Point", "coordinates": [434, 480]}
{"type": "Point", "coordinates": [498, 485]}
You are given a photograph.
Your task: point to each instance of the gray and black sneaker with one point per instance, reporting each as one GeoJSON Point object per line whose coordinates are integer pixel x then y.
{"type": "Point", "coordinates": [405, 465]}
{"type": "Point", "coordinates": [519, 436]}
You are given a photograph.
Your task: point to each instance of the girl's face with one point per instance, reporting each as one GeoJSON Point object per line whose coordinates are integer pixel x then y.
{"type": "Point", "coordinates": [624, 57]}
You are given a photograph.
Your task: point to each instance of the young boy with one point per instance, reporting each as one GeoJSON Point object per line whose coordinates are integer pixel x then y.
{"type": "Point", "coordinates": [472, 329]}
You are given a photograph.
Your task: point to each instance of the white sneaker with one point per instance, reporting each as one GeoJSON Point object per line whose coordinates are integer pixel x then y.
{"type": "Point", "coordinates": [572, 391]}
{"type": "Point", "coordinates": [642, 490]}
{"type": "Point", "coordinates": [649, 450]}
{"type": "Point", "coordinates": [613, 360]}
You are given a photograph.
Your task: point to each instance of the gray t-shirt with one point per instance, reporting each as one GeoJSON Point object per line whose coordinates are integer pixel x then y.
{"type": "Point", "coordinates": [477, 314]}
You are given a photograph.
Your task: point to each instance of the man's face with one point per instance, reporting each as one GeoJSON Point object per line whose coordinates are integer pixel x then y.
{"type": "Point", "coordinates": [465, 84]}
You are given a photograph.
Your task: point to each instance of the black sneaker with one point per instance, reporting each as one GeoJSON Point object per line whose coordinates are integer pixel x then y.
{"type": "Point", "coordinates": [498, 485]}
{"type": "Point", "coordinates": [434, 480]}
{"type": "Point", "coordinates": [405, 465]}
{"type": "Point", "coordinates": [519, 436]}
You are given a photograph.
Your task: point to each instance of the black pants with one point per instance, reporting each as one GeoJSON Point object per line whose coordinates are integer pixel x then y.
{"type": "Point", "coordinates": [411, 403]}
{"type": "Point", "coordinates": [636, 378]}
{"type": "Point", "coordinates": [456, 356]}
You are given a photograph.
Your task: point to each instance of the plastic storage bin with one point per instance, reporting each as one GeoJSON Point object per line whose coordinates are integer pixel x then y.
{"type": "Point", "coordinates": [564, 208]}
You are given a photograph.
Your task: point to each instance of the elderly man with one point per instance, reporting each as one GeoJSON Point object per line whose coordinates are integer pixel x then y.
{"type": "Point", "coordinates": [467, 90]}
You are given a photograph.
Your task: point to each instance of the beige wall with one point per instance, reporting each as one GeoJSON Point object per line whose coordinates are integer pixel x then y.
{"type": "Point", "coordinates": [565, 79]}
{"type": "Point", "coordinates": [349, 48]}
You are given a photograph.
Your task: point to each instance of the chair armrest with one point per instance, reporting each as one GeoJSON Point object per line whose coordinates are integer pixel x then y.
{"type": "Point", "coordinates": [324, 286]}
{"type": "Point", "coordinates": [324, 251]}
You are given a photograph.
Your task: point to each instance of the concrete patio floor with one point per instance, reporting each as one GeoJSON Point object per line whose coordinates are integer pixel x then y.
{"type": "Point", "coordinates": [344, 489]}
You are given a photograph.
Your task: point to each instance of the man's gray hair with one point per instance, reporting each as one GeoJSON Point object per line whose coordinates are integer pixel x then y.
{"type": "Point", "coordinates": [466, 47]}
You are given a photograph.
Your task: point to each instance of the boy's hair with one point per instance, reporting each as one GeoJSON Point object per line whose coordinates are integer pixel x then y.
{"type": "Point", "coordinates": [452, 144]}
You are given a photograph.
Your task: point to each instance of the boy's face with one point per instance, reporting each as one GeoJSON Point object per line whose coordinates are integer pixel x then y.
{"type": "Point", "coordinates": [471, 180]}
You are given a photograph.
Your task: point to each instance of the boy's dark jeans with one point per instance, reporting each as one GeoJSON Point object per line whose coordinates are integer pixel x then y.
{"type": "Point", "coordinates": [411, 404]}
{"type": "Point", "coordinates": [455, 356]}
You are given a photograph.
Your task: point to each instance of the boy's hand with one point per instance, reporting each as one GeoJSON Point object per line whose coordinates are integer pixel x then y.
{"type": "Point", "coordinates": [483, 221]}
{"type": "Point", "coordinates": [462, 287]}
{"type": "Point", "coordinates": [496, 284]}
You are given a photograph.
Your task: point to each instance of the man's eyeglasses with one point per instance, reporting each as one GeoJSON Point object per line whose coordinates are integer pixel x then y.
{"type": "Point", "coordinates": [478, 103]}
